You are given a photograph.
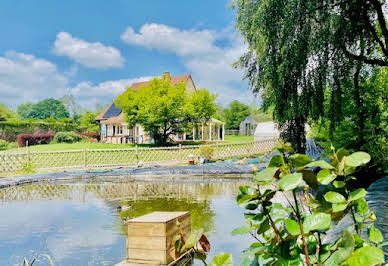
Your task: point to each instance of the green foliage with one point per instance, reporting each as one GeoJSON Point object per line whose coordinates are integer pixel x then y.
{"type": "Point", "coordinates": [304, 52]}
{"type": "Point", "coordinates": [88, 123]}
{"type": "Point", "coordinates": [67, 137]}
{"type": "Point", "coordinates": [293, 234]}
{"type": "Point", "coordinates": [10, 129]}
{"type": "Point", "coordinates": [206, 152]}
{"type": "Point", "coordinates": [164, 109]}
{"type": "Point", "coordinates": [222, 259]}
{"type": "Point", "coordinates": [235, 114]}
{"type": "Point", "coordinates": [5, 113]}
{"type": "Point", "coordinates": [47, 108]}
{"type": "Point", "coordinates": [3, 145]}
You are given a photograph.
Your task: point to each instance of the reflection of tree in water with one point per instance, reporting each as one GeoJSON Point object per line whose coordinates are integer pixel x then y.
{"type": "Point", "coordinates": [202, 216]}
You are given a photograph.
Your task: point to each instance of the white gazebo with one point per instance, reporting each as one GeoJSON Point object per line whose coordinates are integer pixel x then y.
{"type": "Point", "coordinates": [213, 130]}
{"type": "Point", "coordinates": [266, 130]}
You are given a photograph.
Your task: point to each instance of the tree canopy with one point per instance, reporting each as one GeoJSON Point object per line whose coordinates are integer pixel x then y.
{"type": "Point", "coordinates": [47, 108]}
{"type": "Point", "coordinates": [234, 114]}
{"type": "Point", "coordinates": [164, 109]}
{"type": "Point", "coordinates": [5, 113]}
{"type": "Point", "coordinates": [302, 51]}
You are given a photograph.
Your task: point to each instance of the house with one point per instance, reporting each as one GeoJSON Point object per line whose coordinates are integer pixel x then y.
{"type": "Point", "coordinates": [247, 126]}
{"type": "Point", "coordinates": [114, 129]}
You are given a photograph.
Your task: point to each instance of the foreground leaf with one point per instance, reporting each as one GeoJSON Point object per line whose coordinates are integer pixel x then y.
{"type": "Point", "coordinates": [357, 159]}
{"type": "Point", "coordinates": [266, 176]}
{"type": "Point", "coordinates": [192, 240]}
{"type": "Point", "coordinates": [318, 221]}
{"type": "Point", "coordinates": [357, 194]}
{"type": "Point", "coordinates": [338, 207]}
{"type": "Point", "coordinates": [241, 230]}
{"type": "Point", "coordinates": [325, 176]}
{"type": "Point", "coordinates": [290, 181]}
{"type": "Point", "coordinates": [222, 259]}
{"type": "Point", "coordinates": [292, 227]}
{"type": "Point", "coordinates": [365, 256]}
{"type": "Point", "coordinates": [321, 163]}
{"type": "Point", "coordinates": [375, 234]}
{"type": "Point", "coordinates": [300, 159]}
{"type": "Point", "coordinates": [334, 197]}
{"type": "Point", "coordinates": [345, 248]}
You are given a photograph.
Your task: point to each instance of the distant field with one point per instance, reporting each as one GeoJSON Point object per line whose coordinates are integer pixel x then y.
{"type": "Point", "coordinates": [87, 145]}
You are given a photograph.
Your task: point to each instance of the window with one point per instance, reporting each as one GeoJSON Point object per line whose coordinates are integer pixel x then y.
{"type": "Point", "coordinates": [119, 130]}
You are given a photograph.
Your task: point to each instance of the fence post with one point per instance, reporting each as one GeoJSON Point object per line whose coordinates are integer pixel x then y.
{"type": "Point", "coordinates": [85, 158]}
{"type": "Point", "coordinates": [137, 155]}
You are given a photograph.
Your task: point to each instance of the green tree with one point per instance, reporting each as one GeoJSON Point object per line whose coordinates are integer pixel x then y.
{"type": "Point", "coordinates": [164, 109]}
{"type": "Point", "coordinates": [88, 122]}
{"type": "Point", "coordinates": [71, 105]}
{"type": "Point", "coordinates": [24, 110]}
{"type": "Point", "coordinates": [47, 108]}
{"type": "Point", "coordinates": [5, 113]}
{"type": "Point", "coordinates": [300, 48]}
{"type": "Point", "coordinates": [235, 114]}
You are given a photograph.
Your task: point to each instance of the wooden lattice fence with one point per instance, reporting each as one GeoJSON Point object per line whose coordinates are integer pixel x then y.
{"type": "Point", "coordinates": [91, 158]}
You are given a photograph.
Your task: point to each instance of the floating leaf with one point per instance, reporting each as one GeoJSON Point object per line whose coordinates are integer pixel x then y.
{"type": "Point", "coordinates": [222, 259]}
{"type": "Point", "coordinates": [334, 197]}
{"type": "Point", "coordinates": [365, 256]}
{"type": "Point", "coordinates": [241, 230]}
{"type": "Point", "coordinates": [357, 194]}
{"type": "Point", "coordinates": [266, 176]}
{"type": "Point", "coordinates": [325, 176]}
{"type": "Point", "coordinates": [300, 159]}
{"type": "Point", "coordinates": [290, 181]}
{"type": "Point", "coordinates": [318, 221]}
{"type": "Point", "coordinates": [375, 234]}
{"type": "Point", "coordinates": [357, 159]}
{"type": "Point", "coordinates": [292, 227]}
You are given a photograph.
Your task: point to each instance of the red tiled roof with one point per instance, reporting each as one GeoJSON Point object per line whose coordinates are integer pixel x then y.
{"type": "Point", "coordinates": [174, 81]}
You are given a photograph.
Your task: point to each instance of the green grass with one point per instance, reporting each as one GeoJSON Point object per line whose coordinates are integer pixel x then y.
{"type": "Point", "coordinates": [236, 139]}
{"type": "Point", "coordinates": [87, 145]}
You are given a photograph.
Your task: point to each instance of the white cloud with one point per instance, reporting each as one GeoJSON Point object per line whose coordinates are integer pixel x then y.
{"type": "Point", "coordinates": [92, 55]}
{"type": "Point", "coordinates": [89, 94]}
{"type": "Point", "coordinates": [24, 77]}
{"type": "Point", "coordinates": [200, 51]}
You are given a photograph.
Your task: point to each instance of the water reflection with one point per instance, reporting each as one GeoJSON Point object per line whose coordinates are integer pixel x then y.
{"type": "Point", "coordinates": [77, 223]}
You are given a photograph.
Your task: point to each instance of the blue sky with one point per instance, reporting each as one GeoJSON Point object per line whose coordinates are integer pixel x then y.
{"type": "Point", "coordinates": [94, 49]}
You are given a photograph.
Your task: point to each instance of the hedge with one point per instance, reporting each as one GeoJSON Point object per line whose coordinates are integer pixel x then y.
{"type": "Point", "coordinates": [10, 129]}
{"type": "Point", "coordinates": [34, 139]}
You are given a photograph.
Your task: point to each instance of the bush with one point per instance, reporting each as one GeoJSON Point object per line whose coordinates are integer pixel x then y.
{"type": "Point", "coordinates": [3, 145]}
{"type": "Point", "coordinates": [206, 152]}
{"type": "Point", "coordinates": [67, 137]}
{"type": "Point", "coordinates": [10, 129]}
{"type": "Point", "coordinates": [34, 139]}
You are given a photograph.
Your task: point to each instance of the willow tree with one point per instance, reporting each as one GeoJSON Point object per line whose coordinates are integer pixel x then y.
{"type": "Point", "coordinates": [302, 51]}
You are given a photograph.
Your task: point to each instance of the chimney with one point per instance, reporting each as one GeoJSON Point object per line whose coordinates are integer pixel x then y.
{"type": "Point", "coordinates": [166, 75]}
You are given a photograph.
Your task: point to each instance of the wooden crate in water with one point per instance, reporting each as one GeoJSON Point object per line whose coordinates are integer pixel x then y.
{"type": "Point", "coordinates": [150, 237]}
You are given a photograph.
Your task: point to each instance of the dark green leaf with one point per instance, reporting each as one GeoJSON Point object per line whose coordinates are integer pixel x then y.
{"type": "Point", "coordinates": [345, 249]}
{"type": "Point", "coordinates": [321, 163]}
{"type": "Point", "coordinates": [276, 161]}
{"type": "Point", "coordinates": [311, 179]}
{"type": "Point", "coordinates": [264, 226]}
{"type": "Point", "coordinates": [290, 181]}
{"type": "Point", "coordinates": [361, 206]}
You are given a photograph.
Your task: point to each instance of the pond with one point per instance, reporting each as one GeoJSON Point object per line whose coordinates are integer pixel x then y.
{"type": "Point", "coordinates": [77, 222]}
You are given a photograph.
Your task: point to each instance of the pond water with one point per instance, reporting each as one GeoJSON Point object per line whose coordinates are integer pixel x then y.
{"type": "Point", "coordinates": [77, 223]}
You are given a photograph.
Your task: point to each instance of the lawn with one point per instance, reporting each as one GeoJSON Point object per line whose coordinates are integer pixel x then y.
{"type": "Point", "coordinates": [87, 145]}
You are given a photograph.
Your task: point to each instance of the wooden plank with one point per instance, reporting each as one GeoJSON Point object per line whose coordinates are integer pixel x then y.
{"type": "Point", "coordinates": [146, 229]}
{"type": "Point", "coordinates": [147, 255]}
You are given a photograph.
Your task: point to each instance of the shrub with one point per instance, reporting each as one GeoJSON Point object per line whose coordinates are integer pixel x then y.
{"type": "Point", "coordinates": [206, 152]}
{"type": "Point", "coordinates": [318, 194]}
{"type": "Point", "coordinates": [67, 137]}
{"type": "Point", "coordinates": [34, 139]}
{"type": "Point", "coordinates": [3, 145]}
{"type": "Point", "coordinates": [10, 129]}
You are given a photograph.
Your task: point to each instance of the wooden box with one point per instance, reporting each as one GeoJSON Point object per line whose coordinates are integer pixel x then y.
{"type": "Point", "coordinates": [150, 237]}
